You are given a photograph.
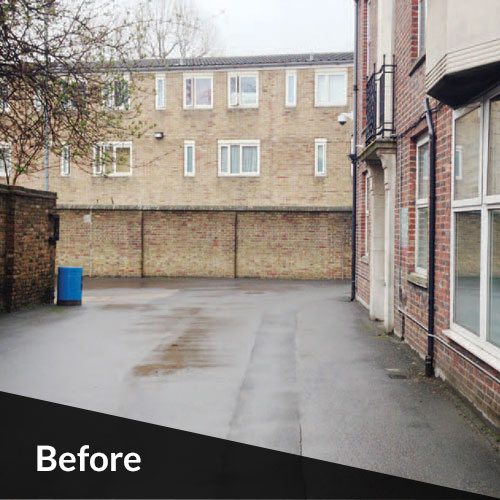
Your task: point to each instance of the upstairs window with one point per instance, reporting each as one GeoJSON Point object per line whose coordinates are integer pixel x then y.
{"type": "Point", "coordinates": [320, 157]}
{"type": "Point", "coordinates": [243, 90]}
{"type": "Point", "coordinates": [118, 93]}
{"type": "Point", "coordinates": [160, 83]}
{"type": "Point", "coordinates": [198, 91]}
{"type": "Point", "coordinates": [239, 158]}
{"type": "Point", "coordinates": [291, 89]}
{"type": "Point", "coordinates": [331, 88]}
{"type": "Point", "coordinates": [5, 160]}
{"type": "Point", "coordinates": [189, 158]}
{"type": "Point", "coordinates": [422, 207]}
{"type": "Point", "coordinates": [422, 21]}
{"type": "Point", "coordinates": [65, 160]}
{"type": "Point", "coordinates": [113, 159]}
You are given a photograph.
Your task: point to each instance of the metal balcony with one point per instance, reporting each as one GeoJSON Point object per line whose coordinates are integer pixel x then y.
{"type": "Point", "coordinates": [380, 103]}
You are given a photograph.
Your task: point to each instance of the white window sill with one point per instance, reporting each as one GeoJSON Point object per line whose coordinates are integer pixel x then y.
{"type": "Point", "coordinates": [334, 105]}
{"type": "Point", "coordinates": [320, 175]}
{"type": "Point", "coordinates": [418, 278]}
{"type": "Point", "coordinates": [198, 108]}
{"type": "Point", "coordinates": [248, 106]}
{"type": "Point", "coordinates": [239, 175]}
{"type": "Point", "coordinates": [104, 176]}
{"type": "Point", "coordinates": [484, 351]}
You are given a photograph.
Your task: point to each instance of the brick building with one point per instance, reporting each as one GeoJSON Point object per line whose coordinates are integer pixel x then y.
{"type": "Point", "coordinates": [428, 200]}
{"type": "Point", "coordinates": [244, 172]}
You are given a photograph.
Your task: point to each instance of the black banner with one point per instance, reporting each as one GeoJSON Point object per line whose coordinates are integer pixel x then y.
{"type": "Point", "coordinates": [174, 464]}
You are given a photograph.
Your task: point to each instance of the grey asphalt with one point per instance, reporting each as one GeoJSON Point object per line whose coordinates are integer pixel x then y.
{"type": "Point", "coordinates": [287, 365]}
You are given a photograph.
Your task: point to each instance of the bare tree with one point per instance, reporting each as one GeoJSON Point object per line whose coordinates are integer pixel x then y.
{"type": "Point", "coordinates": [163, 28]}
{"type": "Point", "coordinates": [63, 79]}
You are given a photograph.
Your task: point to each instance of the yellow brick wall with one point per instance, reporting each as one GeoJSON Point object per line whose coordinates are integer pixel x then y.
{"type": "Point", "coordinates": [287, 150]}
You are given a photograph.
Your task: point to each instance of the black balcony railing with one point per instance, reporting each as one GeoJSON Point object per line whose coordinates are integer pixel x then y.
{"type": "Point", "coordinates": [380, 103]}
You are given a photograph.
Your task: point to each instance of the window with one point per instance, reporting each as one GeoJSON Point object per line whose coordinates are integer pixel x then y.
{"type": "Point", "coordinates": [4, 97]}
{"type": "Point", "coordinates": [198, 91]}
{"type": "Point", "coordinates": [65, 160]}
{"type": "Point", "coordinates": [243, 90]}
{"type": "Point", "coordinates": [160, 92]}
{"type": "Point", "coordinates": [5, 160]}
{"type": "Point", "coordinates": [422, 207]}
{"type": "Point", "coordinates": [118, 92]}
{"type": "Point", "coordinates": [189, 159]}
{"type": "Point", "coordinates": [368, 36]}
{"type": "Point", "coordinates": [320, 157]}
{"type": "Point", "coordinates": [113, 159]}
{"type": "Point", "coordinates": [475, 311]}
{"type": "Point", "coordinates": [239, 158]}
{"type": "Point", "coordinates": [331, 88]}
{"type": "Point", "coordinates": [291, 89]}
{"type": "Point", "coordinates": [422, 21]}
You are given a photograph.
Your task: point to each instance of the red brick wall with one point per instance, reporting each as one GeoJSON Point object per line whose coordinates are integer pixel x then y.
{"type": "Point", "coordinates": [203, 243]}
{"type": "Point", "coordinates": [27, 257]}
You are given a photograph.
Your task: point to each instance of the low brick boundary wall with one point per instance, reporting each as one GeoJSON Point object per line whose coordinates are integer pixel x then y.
{"type": "Point", "coordinates": [207, 242]}
{"type": "Point", "coordinates": [27, 257]}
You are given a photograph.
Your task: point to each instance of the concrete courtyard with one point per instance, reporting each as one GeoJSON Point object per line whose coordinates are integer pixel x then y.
{"type": "Point", "coordinates": [287, 365]}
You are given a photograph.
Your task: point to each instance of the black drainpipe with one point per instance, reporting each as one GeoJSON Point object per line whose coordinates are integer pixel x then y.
{"type": "Point", "coordinates": [429, 359]}
{"type": "Point", "coordinates": [354, 156]}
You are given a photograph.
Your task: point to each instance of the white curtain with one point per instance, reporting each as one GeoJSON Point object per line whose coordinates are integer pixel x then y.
{"type": "Point", "coordinates": [249, 159]}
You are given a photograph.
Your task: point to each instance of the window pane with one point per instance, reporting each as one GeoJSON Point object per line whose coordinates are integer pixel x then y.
{"type": "Point", "coordinates": [4, 161]}
{"type": "Point", "coordinates": [421, 27]}
{"type": "Point", "coordinates": [160, 93]}
{"type": "Point", "coordinates": [121, 93]}
{"type": "Point", "coordinates": [423, 171]}
{"type": "Point", "coordinates": [336, 89]}
{"type": "Point", "coordinates": [203, 91]}
{"type": "Point", "coordinates": [494, 148]}
{"type": "Point", "coordinates": [66, 155]}
{"type": "Point", "coordinates": [422, 235]}
{"type": "Point", "coordinates": [291, 89]}
{"type": "Point", "coordinates": [235, 159]}
{"type": "Point", "coordinates": [233, 91]}
{"type": "Point", "coordinates": [223, 159]}
{"type": "Point", "coordinates": [467, 269]}
{"type": "Point", "coordinates": [320, 165]}
{"type": "Point", "coordinates": [189, 159]}
{"type": "Point", "coordinates": [123, 160]}
{"type": "Point", "coordinates": [494, 306]}
{"type": "Point", "coordinates": [249, 159]}
{"type": "Point", "coordinates": [189, 92]}
{"type": "Point", "coordinates": [467, 130]}
{"type": "Point", "coordinates": [248, 89]}
{"type": "Point", "coordinates": [106, 160]}
{"type": "Point", "coordinates": [322, 89]}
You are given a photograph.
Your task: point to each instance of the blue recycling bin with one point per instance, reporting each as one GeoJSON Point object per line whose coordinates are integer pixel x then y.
{"type": "Point", "coordinates": [69, 286]}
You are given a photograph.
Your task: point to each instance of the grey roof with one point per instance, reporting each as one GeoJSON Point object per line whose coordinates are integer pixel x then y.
{"type": "Point", "coordinates": [308, 59]}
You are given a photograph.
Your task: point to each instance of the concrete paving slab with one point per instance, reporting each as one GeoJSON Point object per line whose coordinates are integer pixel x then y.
{"type": "Point", "coordinates": [288, 365]}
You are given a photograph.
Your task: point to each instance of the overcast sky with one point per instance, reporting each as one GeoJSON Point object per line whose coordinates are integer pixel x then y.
{"type": "Point", "coordinates": [281, 26]}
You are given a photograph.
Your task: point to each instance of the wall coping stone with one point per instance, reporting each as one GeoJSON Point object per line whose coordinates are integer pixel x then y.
{"type": "Point", "coordinates": [22, 191]}
{"type": "Point", "coordinates": [204, 208]}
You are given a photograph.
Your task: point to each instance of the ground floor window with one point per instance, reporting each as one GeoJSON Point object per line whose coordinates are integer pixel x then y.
{"type": "Point", "coordinates": [320, 157]}
{"type": "Point", "coordinates": [5, 160]}
{"type": "Point", "coordinates": [422, 207]}
{"type": "Point", "coordinates": [113, 159]}
{"type": "Point", "coordinates": [189, 158]}
{"type": "Point", "coordinates": [239, 158]}
{"type": "Point", "coordinates": [65, 160]}
{"type": "Point", "coordinates": [476, 223]}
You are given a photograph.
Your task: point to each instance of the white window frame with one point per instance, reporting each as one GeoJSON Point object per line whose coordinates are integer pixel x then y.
{"type": "Point", "coordinates": [328, 72]}
{"type": "Point", "coordinates": [419, 22]}
{"type": "Point", "coordinates": [478, 344]}
{"type": "Point", "coordinates": [419, 204]}
{"type": "Point", "coordinates": [98, 167]}
{"type": "Point", "coordinates": [194, 77]}
{"type": "Point", "coordinates": [238, 75]}
{"type": "Point", "coordinates": [187, 145]}
{"type": "Point", "coordinates": [288, 103]}
{"type": "Point", "coordinates": [110, 98]}
{"type": "Point", "coordinates": [160, 79]}
{"type": "Point", "coordinates": [65, 161]}
{"type": "Point", "coordinates": [317, 143]}
{"type": "Point", "coordinates": [7, 146]}
{"type": "Point", "coordinates": [241, 143]}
